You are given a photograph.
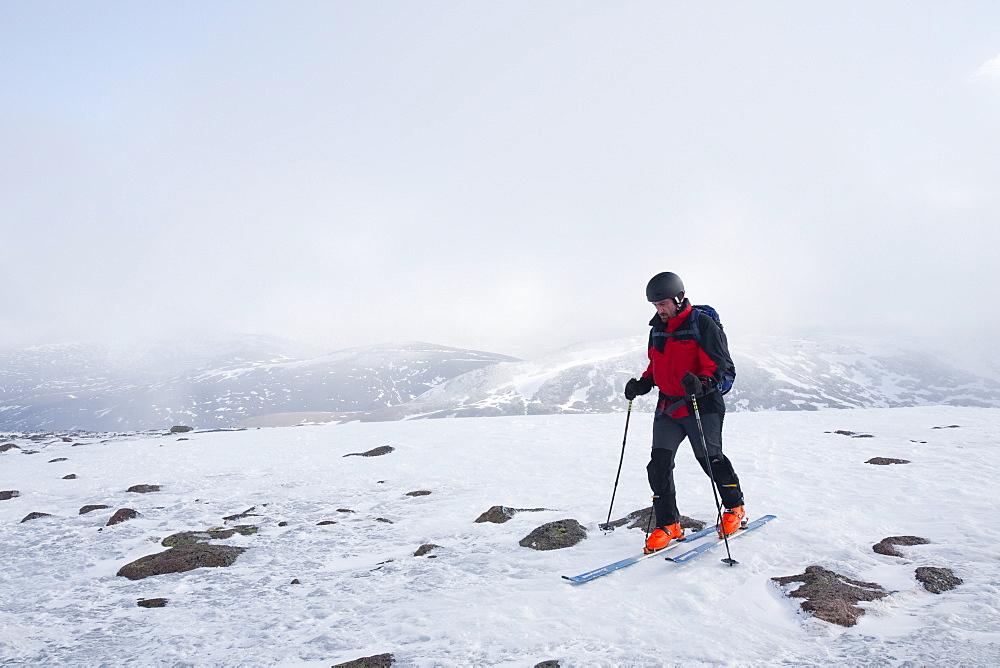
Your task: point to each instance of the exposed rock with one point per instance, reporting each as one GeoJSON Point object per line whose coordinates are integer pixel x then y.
{"type": "Point", "coordinates": [200, 537]}
{"type": "Point", "coordinates": [9, 494]}
{"type": "Point", "coordinates": [551, 663]}
{"type": "Point", "coordinates": [645, 519]}
{"type": "Point", "coordinates": [9, 446]}
{"type": "Point", "coordinates": [181, 559]}
{"type": "Point", "coordinates": [152, 602]}
{"type": "Point", "coordinates": [71, 476]}
{"type": "Point", "coordinates": [345, 510]}
{"type": "Point", "coordinates": [951, 426]}
{"type": "Point", "coordinates": [424, 549]}
{"type": "Point", "coordinates": [143, 489]}
{"type": "Point", "coordinates": [374, 452]}
{"type": "Point", "coordinates": [885, 546]}
{"type": "Point", "coordinates": [295, 582]}
{"type": "Point", "coordinates": [419, 492]}
{"type": "Point", "coordinates": [35, 516]}
{"type": "Point", "coordinates": [377, 661]}
{"type": "Point", "coordinates": [500, 514]}
{"type": "Point", "coordinates": [555, 535]}
{"type": "Point", "coordinates": [852, 434]}
{"type": "Point", "coordinates": [325, 523]}
{"type": "Point", "coordinates": [885, 461]}
{"type": "Point", "coordinates": [58, 459]}
{"type": "Point", "coordinates": [382, 519]}
{"type": "Point", "coordinates": [92, 508]}
{"type": "Point", "coordinates": [180, 429]}
{"type": "Point", "coordinates": [249, 512]}
{"type": "Point", "coordinates": [282, 523]}
{"type": "Point", "coordinates": [121, 515]}
{"type": "Point", "coordinates": [831, 596]}
{"type": "Point", "coordinates": [937, 580]}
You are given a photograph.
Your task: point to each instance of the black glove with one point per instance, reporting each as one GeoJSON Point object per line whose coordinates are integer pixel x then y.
{"type": "Point", "coordinates": [694, 386]}
{"type": "Point", "coordinates": [634, 388]}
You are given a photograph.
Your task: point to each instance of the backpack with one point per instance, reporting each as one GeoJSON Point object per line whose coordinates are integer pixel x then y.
{"type": "Point", "coordinates": [729, 373]}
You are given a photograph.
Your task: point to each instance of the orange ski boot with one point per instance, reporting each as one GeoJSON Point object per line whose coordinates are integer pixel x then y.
{"type": "Point", "coordinates": [733, 520]}
{"type": "Point", "coordinates": [662, 536]}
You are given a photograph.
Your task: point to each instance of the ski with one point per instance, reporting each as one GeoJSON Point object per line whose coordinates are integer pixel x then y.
{"type": "Point", "coordinates": [704, 546]}
{"type": "Point", "coordinates": [618, 565]}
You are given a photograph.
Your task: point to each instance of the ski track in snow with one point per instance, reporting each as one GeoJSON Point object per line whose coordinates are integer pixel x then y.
{"type": "Point", "coordinates": [484, 600]}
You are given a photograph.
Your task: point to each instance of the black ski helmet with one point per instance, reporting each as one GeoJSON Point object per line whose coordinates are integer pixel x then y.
{"type": "Point", "coordinates": [666, 285]}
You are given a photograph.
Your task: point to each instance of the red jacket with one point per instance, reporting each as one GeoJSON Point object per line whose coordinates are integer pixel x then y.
{"type": "Point", "coordinates": [673, 355]}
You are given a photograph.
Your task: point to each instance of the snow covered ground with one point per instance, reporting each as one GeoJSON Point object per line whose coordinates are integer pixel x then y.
{"type": "Point", "coordinates": [484, 600]}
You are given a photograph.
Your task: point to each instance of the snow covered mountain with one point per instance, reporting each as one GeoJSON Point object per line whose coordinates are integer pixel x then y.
{"type": "Point", "coordinates": [773, 373]}
{"type": "Point", "coordinates": [257, 381]}
{"type": "Point", "coordinates": [213, 384]}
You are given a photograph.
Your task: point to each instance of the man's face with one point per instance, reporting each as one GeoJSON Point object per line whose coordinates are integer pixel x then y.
{"type": "Point", "coordinates": [666, 309]}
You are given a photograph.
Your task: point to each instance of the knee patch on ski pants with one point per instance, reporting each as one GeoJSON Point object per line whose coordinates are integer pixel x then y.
{"type": "Point", "coordinates": [661, 463]}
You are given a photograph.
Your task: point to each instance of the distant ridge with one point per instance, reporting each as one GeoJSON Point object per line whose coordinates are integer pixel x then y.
{"type": "Point", "coordinates": [256, 381]}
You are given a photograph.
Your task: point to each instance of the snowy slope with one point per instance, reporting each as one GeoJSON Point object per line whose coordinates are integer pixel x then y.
{"type": "Point", "coordinates": [484, 600]}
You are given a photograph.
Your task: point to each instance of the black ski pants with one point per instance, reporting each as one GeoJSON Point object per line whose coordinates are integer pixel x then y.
{"type": "Point", "coordinates": [668, 433]}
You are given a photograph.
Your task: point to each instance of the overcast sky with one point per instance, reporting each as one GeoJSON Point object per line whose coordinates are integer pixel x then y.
{"type": "Point", "coordinates": [503, 176]}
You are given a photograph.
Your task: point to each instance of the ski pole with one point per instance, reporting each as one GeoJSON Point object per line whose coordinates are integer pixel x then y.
{"type": "Point", "coordinates": [607, 525]}
{"type": "Point", "coordinates": [718, 504]}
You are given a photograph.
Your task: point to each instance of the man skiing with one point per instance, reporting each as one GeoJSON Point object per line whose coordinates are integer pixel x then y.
{"type": "Point", "coordinates": [688, 357]}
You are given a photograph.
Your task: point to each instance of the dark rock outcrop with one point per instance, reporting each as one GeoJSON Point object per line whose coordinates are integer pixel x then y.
{"type": "Point", "coordinates": [152, 603]}
{"type": "Point", "coordinates": [58, 459]}
{"type": "Point", "coordinates": [832, 597]}
{"type": "Point", "coordinates": [71, 476]}
{"type": "Point", "coordinates": [9, 446]}
{"type": "Point", "coordinates": [374, 452]}
{"type": "Point", "coordinates": [885, 546]}
{"type": "Point", "coordinates": [937, 580]}
{"type": "Point", "coordinates": [424, 549]}
{"type": "Point", "coordinates": [122, 515]}
{"type": "Point", "coordinates": [9, 494]}
{"type": "Point", "coordinates": [34, 516]}
{"type": "Point", "coordinates": [885, 461]}
{"type": "Point", "coordinates": [555, 535]}
{"type": "Point", "coordinates": [199, 537]}
{"type": "Point", "coordinates": [500, 514]}
{"type": "Point", "coordinates": [419, 492]}
{"type": "Point", "coordinates": [143, 489]}
{"type": "Point", "coordinates": [249, 512]}
{"type": "Point", "coordinates": [645, 519]}
{"type": "Point", "coordinates": [180, 429]}
{"type": "Point", "coordinates": [181, 559]}
{"type": "Point", "coordinates": [377, 661]}
{"type": "Point", "coordinates": [92, 508]}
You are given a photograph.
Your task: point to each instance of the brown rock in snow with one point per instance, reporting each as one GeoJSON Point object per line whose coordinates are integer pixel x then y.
{"type": "Point", "coordinates": [555, 535]}
{"type": "Point", "coordinates": [831, 596]}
